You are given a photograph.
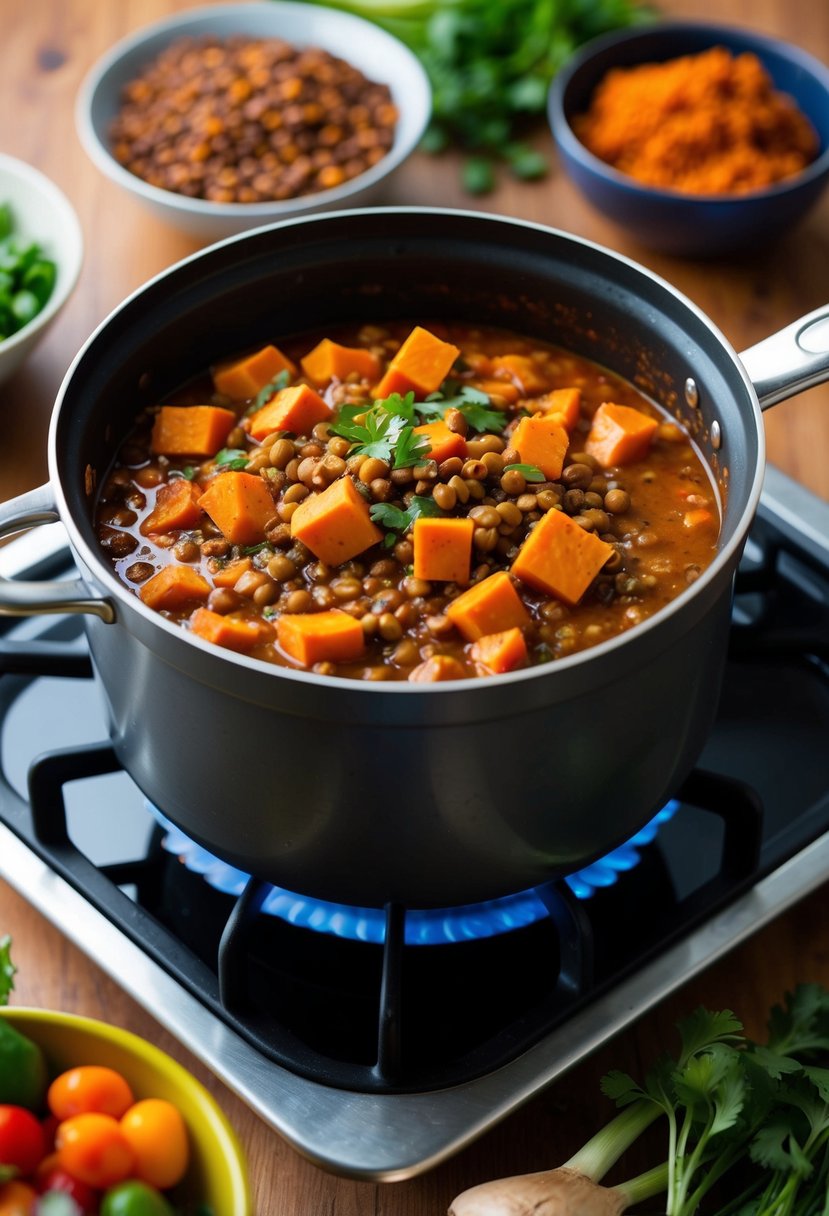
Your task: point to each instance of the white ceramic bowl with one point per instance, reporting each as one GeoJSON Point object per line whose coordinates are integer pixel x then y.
{"type": "Point", "coordinates": [41, 213]}
{"type": "Point", "coordinates": [378, 55]}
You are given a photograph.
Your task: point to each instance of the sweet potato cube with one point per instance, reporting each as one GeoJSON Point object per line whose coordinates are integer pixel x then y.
{"type": "Point", "coordinates": [172, 587]}
{"type": "Point", "coordinates": [244, 378]}
{"type": "Point", "coordinates": [176, 506]}
{"type": "Point", "coordinates": [328, 361]}
{"type": "Point", "coordinates": [541, 441]}
{"type": "Point", "coordinates": [436, 669]}
{"type": "Point", "coordinates": [500, 652]}
{"type": "Point", "coordinates": [443, 443]}
{"type": "Point", "coordinates": [560, 558]}
{"type": "Point", "coordinates": [297, 409]}
{"type": "Point", "coordinates": [191, 430]}
{"type": "Point", "coordinates": [335, 524]}
{"type": "Point", "coordinates": [490, 606]}
{"type": "Point", "coordinates": [524, 371]}
{"type": "Point", "coordinates": [240, 505]}
{"type": "Point", "coordinates": [443, 549]}
{"type": "Point", "coordinates": [420, 365]}
{"type": "Point", "coordinates": [500, 388]}
{"type": "Point", "coordinates": [563, 404]}
{"type": "Point", "coordinates": [229, 575]}
{"type": "Point", "coordinates": [316, 637]}
{"type": "Point", "coordinates": [233, 632]}
{"type": "Point", "coordinates": [619, 434]}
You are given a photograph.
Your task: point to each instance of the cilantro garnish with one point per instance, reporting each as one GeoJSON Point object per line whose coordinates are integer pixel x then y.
{"type": "Point", "coordinates": [264, 395]}
{"type": "Point", "coordinates": [7, 969]}
{"type": "Point", "coordinates": [398, 520]}
{"type": "Point", "coordinates": [471, 402]}
{"type": "Point", "coordinates": [384, 430]}
{"type": "Point", "coordinates": [231, 458]}
{"type": "Point", "coordinates": [531, 472]}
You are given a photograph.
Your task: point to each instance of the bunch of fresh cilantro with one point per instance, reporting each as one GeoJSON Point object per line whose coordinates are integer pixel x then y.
{"type": "Point", "coordinates": [490, 64]}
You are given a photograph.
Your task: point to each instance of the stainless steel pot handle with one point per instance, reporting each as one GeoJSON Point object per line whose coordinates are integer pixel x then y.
{"type": "Point", "coordinates": [23, 598]}
{"type": "Point", "coordinates": [794, 359]}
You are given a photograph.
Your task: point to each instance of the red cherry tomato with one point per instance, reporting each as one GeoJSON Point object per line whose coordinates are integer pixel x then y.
{"type": "Point", "coordinates": [90, 1087]}
{"type": "Point", "coordinates": [22, 1142]}
{"type": "Point", "coordinates": [93, 1148]}
{"type": "Point", "coordinates": [55, 1178]}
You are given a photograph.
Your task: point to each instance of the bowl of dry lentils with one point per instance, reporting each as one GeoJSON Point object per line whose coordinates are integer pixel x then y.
{"type": "Point", "coordinates": [237, 115]}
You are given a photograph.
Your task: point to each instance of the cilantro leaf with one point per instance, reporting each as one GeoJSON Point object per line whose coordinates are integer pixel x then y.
{"type": "Point", "coordinates": [397, 519]}
{"type": "Point", "coordinates": [385, 430]}
{"type": "Point", "coordinates": [410, 449]}
{"type": "Point", "coordinates": [7, 969]}
{"type": "Point", "coordinates": [474, 404]}
{"type": "Point", "coordinates": [531, 472]}
{"type": "Point", "coordinates": [231, 458]}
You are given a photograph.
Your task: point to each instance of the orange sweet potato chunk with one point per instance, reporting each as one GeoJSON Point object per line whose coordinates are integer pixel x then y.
{"type": "Point", "coordinates": [541, 441]}
{"type": "Point", "coordinates": [523, 371]}
{"type": "Point", "coordinates": [233, 632]}
{"type": "Point", "coordinates": [315, 637]}
{"type": "Point", "coordinates": [240, 505]}
{"type": "Point", "coordinates": [501, 388]}
{"type": "Point", "coordinates": [191, 430]}
{"type": "Point", "coordinates": [420, 365]}
{"type": "Point", "coordinates": [244, 378]}
{"type": "Point", "coordinates": [297, 409]}
{"type": "Point", "coordinates": [500, 652]}
{"type": "Point", "coordinates": [335, 524]}
{"type": "Point", "coordinates": [328, 361]}
{"type": "Point", "coordinates": [560, 558]}
{"type": "Point", "coordinates": [619, 434]}
{"type": "Point", "coordinates": [443, 549]}
{"type": "Point", "coordinates": [176, 506]}
{"type": "Point", "coordinates": [173, 586]}
{"type": "Point", "coordinates": [490, 606]}
{"type": "Point", "coordinates": [564, 404]}
{"type": "Point", "coordinates": [230, 574]}
{"type": "Point", "coordinates": [436, 669]}
{"type": "Point", "coordinates": [443, 443]}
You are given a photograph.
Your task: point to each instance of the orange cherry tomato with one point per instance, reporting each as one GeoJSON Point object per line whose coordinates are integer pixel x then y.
{"type": "Point", "coordinates": [17, 1198]}
{"type": "Point", "coordinates": [93, 1147]}
{"type": "Point", "coordinates": [91, 1087]}
{"type": "Point", "coordinates": [157, 1135]}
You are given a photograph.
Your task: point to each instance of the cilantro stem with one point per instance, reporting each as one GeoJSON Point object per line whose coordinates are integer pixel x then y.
{"type": "Point", "coordinates": [604, 1149]}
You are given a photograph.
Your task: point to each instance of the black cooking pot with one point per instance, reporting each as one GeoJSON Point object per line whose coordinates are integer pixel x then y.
{"type": "Point", "coordinates": [429, 795]}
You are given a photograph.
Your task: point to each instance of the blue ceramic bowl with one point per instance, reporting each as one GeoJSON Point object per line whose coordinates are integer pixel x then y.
{"type": "Point", "coordinates": [668, 221]}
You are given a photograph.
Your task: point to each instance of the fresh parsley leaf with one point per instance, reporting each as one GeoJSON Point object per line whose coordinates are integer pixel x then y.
{"type": "Point", "coordinates": [410, 449]}
{"type": "Point", "coordinates": [474, 404]}
{"type": "Point", "coordinates": [531, 472]}
{"type": "Point", "coordinates": [274, 386]}
{"type": "Point", "coordinates": [400, 407]}
{"type": "Point", "coordinates": [399, 520]}
{"type": "Point", "coordinates": [231, 458]}
{"type": "Point", "coordinates": [385, 430]}
{"type": "Point", "coordinates": [7, 969]}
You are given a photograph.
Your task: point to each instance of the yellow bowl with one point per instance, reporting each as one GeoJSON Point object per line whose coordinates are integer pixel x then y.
{"type": "Point", "coordinates": [217, 1175]}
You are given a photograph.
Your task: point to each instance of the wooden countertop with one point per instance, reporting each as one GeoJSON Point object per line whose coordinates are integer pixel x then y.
{"type": "Point", "coordinates": [48, 48]}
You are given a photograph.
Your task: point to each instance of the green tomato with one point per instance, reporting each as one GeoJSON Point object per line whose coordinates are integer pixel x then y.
{"type": "Point", "coordinates": [23, 1073]}
{"type": "Point", "coordinates": [134, 1199]}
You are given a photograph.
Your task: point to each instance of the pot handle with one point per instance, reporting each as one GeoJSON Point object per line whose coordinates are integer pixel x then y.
{"type": "Point", "coordinates": [23, 598]}
{"type": "Point", "coordinates": [794, 359]}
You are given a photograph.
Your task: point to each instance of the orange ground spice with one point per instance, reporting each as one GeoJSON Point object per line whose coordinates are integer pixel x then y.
{"type": "Point", "coordinates": [710, 123]}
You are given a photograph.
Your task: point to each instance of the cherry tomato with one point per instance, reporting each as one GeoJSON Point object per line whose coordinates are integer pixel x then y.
{"type": "Point", "coordinates": [22, 1142]}
{"type": "Point", "coordinates": [17, 1198]}
{"type": "Point", "coordinates": [93, 1148]}
{"type": "Point", "coordinates": [157, 1135]}
{"type": "Point", "coordinates": [135, 1199]}
{"type": "Point", "coordinates": [91, 1087]}
{"type": "Point", "coordinates": [52, 1177]}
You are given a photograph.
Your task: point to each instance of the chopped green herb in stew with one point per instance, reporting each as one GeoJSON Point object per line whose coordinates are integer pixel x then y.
{"type": "Point", "coordinates": [408, 502]}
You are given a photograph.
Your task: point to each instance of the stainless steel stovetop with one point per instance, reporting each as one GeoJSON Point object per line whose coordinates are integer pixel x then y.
{"type": "Point", "coordinates": [764, 862]}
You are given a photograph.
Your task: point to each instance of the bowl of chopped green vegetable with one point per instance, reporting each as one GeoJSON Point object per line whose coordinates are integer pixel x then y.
{"type": "Point", "coordinates": [41, 252]}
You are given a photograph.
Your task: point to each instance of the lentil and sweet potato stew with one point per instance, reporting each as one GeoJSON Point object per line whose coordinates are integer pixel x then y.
{"type": "Point", "coordinates": [403, 502]}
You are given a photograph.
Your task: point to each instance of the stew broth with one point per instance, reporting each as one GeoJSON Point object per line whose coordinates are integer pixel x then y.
{"type": "Point", "coordinates": [398, 502]}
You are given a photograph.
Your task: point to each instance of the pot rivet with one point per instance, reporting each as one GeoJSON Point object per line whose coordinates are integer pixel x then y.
{"type": "Point", "coordinates": [691, 392]}
{"type": "Point", "coordinates": [716, 435]}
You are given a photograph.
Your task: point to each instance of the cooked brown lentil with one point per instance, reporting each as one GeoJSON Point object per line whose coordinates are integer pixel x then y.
{"type": "Point", "coordinates": [250, 120]}
{"type": "Point", "coordinates": [658, 514]}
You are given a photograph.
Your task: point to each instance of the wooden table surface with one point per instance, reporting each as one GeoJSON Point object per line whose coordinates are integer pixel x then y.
{"type": "Point", "coordinates": [48, 46]}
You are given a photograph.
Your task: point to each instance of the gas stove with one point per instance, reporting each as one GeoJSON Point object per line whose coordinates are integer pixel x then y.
{"type": "Point", "coordinates": [378, 1042]}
